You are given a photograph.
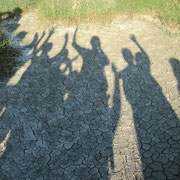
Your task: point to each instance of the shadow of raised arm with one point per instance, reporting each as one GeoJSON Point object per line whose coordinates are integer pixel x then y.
{"type": "Point", "coordinates": [117, 74]}
{"type": "Point", "coordinates": [116, 108]}
{"type": "Point", "coordinates": [74, 43]}
{"type": "Point", "coordinates": [133, 38]}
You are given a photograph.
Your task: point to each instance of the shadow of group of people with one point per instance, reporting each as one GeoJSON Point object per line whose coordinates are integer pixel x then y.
{"type": "Point", "coordinates": [157, 125]}
{"type": "Point", "coordinates": [62, 126]}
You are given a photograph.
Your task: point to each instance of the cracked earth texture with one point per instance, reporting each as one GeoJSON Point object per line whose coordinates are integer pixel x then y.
{"type": "Point", "coordinates": [91, 103]}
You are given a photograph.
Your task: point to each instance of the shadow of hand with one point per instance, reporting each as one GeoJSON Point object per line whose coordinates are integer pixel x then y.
{"type": "Point", "coordinates": [116, 73]}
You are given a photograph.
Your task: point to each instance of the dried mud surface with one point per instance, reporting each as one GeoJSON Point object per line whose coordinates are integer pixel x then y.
{"type": "Point", "coordinates": [96, 103]}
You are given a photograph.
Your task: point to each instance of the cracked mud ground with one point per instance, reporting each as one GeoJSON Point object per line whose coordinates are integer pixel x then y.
{"type": "Point", "coordinates": [96, 103]}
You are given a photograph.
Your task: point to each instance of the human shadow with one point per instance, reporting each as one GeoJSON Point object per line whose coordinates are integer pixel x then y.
{"type": "Point", "coordinates": [59, 125]}
{"type": "Point", "coordinates": [14, 120]}
{"type": "Point", "coordinates": [62, 59]}
{"type": "Point", "coordinates": [9, 22]}
{"type": "Point", "coordinates": [157, 125]}
{"type": "Point", "coordinates": [10, 16]}
{"type": "Point", "coordinates": [175, 63]}
{"type": "Point", "coordinates": [5, 19]}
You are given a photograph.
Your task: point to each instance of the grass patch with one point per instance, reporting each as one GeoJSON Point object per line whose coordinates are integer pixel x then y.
{"type": "Point", "coordinates": [167, 10]}
{"type": "Point", "coordinates": [78, 10]}
{"type": "Point", "coordinates": [8, 55]}
{"type": "Point", "coordinates": [9, 5]}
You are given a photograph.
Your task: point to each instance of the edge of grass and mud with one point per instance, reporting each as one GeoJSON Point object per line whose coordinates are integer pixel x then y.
{"type": "Point", "coordinates": [165, 14]}
{"type": "Point", "coordinates": [8, 55]}
{"type": "Point", "coordinates": [8, 51]}
{"type": "Point", "coordinates": [101, 11]}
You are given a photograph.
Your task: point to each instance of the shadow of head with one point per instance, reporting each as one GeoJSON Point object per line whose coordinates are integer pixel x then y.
{"type": "Point", "coordinates": [127, 56]}
{"type": "Point", "coordinates": [21, 35]}
{"type": "Point", "coordinates": [65, 53]}
{"type": "Point", "coordinates": [17, 11]}
{"type": "Point", "coordinates": [175, 63]}
{"type": "Point", "coordinates": [11, 14]}
{"type": "Point", "coordinates": [95, 42]}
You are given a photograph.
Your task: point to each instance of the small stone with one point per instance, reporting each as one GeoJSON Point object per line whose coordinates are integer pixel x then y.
{"type": "Point", "coordinates": [93, 171]}
{"type": "Point", "coordinates": [174, 169]}
{"type": "Point", "coordinates": [146, 146]}
{"type": "Point", "coordinates": [107, 152]}
{"type": "Point", "coordinates": [158, 175]}
{"type": "Point", "coordinates": [24, 110]}
{"type": "Point", "coordinates": [103, 128]}
{"type": "Point", "coordinates": [145, 140]}
{"type": "Point", "coordinates": [65, 133]}
{"type": "Point", "coordinates": [68, 145]}
{"type": "Point", "coordinates": [40, 143]}
{"type": "Point", "coordinates": [162, 159]}
{"type": "Point", "coordinates": [156, 166]}
{"type": "Point", "coordinates": [147, 154]}
{"type": "Point", "coordinates": [73, 128]}
{"type": "Point", "coordinates": [103, 171]}
{"type": "Point", "coordinates": [58, 171]}
{"type": "Point", "coordinates": [169, 175]}
{"type": "Point", "coordinates": [95, 177]}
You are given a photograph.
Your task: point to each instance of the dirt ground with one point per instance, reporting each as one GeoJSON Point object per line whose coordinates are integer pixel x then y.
{"type": "Point", "coordinates": [91, 102]}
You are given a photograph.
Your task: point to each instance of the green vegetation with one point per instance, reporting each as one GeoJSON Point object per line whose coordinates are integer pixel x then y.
{"type": "Point", "coordinates": [75, 10]}
{"type": "Point", "coordinates": [9, 5]}
{"type": "Point", "coordinates": [8, 55]}
{"type": "Point", "coordinates": [79, 10]}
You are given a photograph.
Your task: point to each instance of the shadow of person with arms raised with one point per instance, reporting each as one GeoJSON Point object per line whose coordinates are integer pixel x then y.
{"type": "Point", "coordinates": [62, 59]}
{"type": "Point", "coordinates": [10, 19]}
{"type": "Point", "coordinates": [9, 48]}
{"type": "Point", "coordinates": [15, 14]}
{"type": "Point", "coordinates": [55, 137]}
{"type": "Point", "coordinates": [90, 114]}
{"type": "Point", "coordinates": [175, 63]}
{"type": "Point", "coordinates": [23, 103]}
{"type": "Point", "coordinates": [156, 124]}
